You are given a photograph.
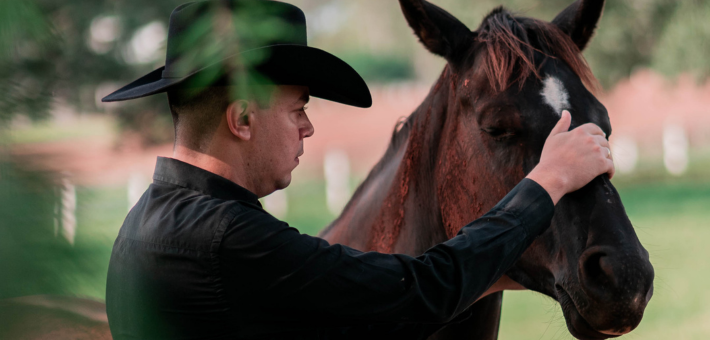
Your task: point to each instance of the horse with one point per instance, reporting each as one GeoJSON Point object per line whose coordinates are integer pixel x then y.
{"type": "Point", "coordinates": [479, 131]}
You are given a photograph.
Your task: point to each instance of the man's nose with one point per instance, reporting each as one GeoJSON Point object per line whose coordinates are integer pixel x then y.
{"type": "Point", "coordinates": [307, 129]}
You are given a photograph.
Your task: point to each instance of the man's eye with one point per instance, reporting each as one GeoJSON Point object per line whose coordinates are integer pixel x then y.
{"type": "Point", "coordinates": [304, 108]}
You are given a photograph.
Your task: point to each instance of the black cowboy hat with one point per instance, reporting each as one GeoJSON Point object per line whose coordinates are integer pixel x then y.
{"type": "Point", "coordinates": [210, 39]}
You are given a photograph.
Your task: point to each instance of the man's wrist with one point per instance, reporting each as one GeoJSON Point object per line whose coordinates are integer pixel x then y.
{"type": "Point", "coordinates": [554, 184]}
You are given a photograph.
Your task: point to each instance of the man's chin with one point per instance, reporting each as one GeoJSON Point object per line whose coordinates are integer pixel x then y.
{"type": "Point", "coordinates": [283, 183]}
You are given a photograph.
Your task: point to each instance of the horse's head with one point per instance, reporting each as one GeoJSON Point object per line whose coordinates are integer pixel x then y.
{"type": "Point", "coordinates": [506, 85]}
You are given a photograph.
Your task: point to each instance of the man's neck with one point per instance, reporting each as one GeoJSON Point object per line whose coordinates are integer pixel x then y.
{"type": "Point", "coordinates": [228, 169]}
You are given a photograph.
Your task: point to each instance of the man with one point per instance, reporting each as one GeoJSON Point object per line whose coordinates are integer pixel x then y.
{"type": "Point", "coordinates": [198, 257]}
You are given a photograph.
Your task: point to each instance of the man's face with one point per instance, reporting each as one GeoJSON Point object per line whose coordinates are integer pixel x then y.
{"type": "Point", "coordinates": [277, 135]}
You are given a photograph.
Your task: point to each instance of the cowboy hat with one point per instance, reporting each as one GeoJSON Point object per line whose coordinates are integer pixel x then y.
{"type": "Point", "coordinates": [265, 39]}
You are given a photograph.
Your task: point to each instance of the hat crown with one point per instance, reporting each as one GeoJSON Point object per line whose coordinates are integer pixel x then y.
{"type": "Point", "coordinates": [203, 33]}
{"type": "Point", "coordinates": [244, 42]}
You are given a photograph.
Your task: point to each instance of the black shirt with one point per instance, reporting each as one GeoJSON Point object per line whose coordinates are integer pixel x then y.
{"type": "Point", "coordinates": [198, 257]}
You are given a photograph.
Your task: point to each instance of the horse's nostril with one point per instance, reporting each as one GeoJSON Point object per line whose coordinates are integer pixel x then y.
{"type": "Point", "coordinates": [597, 268]}
{"type": "Point", "coordinates": [598, 272]}
{"type": "Point", "coordinates": [606, 266]}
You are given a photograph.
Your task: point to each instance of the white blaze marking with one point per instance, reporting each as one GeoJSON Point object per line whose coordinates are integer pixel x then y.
{"type": "Point", "coordinates": [555, 94]}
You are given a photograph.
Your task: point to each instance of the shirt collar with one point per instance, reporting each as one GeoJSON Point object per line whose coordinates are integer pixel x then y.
{"type": "Point", "coordinates": [186, 175]}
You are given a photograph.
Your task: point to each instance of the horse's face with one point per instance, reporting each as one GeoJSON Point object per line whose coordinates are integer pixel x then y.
{"type": "Point", "coordinates": [590, 259]}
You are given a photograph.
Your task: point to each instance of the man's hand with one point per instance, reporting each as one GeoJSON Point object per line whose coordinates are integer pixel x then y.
{"type": "Point", "coordinates": [571, 159]}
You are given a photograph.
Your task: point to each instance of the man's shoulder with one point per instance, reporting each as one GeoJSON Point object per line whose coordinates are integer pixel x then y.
{"type": "Point", "coordinates": [181, 218]}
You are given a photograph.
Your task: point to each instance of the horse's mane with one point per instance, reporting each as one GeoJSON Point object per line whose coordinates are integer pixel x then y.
{"type": "Point", "coordinates": [511, 42]}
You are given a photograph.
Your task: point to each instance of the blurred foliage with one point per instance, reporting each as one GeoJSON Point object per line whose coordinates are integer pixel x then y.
{"type": "Point", "coordinates": [685, 43]}
{"type": "Point", "coordinates": [25, 76]}
{"type": "Point", "coordinates": [35, 257]}
{"type": "Point", "coordinates": [76, 51]}
{"type": "Point", "coordinates": [628, 37]}
{"type": "Point", "coordinates": [27, 203]}
{"type": "Point", "coordinates": [46, 55]}
{"type": "Point", "coordinates": [660, 34]}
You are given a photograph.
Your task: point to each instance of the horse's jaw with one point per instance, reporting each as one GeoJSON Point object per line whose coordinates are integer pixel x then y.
{"type": "Point", "coordinates": [576, 323]}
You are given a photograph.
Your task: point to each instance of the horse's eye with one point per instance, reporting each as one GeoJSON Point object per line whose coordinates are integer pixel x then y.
{"type": "Point", "coordinates": [498, 133]}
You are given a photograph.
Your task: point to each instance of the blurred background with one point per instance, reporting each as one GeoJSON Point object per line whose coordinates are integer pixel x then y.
{"type": "Point", "coordinates": [71, 167]}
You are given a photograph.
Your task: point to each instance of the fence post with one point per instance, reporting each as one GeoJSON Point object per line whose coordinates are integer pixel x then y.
{"type": "Point", "coordinates": [336, 168]}
{"type": "Point", "coordinates": [276, 203]}
{"type": "Point", "coordinates": [65, 211]}
{"type": "Point", "coordinates": [625, 153]}
{"type": "Point", "coordinates": [675, 149]}
{"type": "Point", "coordinates": [137, 185]}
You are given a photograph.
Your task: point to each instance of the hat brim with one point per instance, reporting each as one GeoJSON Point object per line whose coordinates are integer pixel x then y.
{"type": "Point", "coordinates": [327, 76]}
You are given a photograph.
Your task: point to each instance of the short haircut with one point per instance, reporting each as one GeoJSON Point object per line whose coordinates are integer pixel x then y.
{"type": "Point", "coordinates": [197, 113]}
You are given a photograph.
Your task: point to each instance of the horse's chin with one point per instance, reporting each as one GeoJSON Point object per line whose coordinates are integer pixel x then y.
{"type": "Point", "coordinates": [576, 323]}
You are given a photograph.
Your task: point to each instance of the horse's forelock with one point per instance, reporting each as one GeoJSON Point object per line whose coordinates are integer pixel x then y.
{"type": "Point", "coordinates": [509, 45]}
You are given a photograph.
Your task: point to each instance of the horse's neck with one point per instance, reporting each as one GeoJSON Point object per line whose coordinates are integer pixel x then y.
{"type": "Point", "coordinates": [397, 208]}
{"type": "Point", "coordinates": [398, 198]}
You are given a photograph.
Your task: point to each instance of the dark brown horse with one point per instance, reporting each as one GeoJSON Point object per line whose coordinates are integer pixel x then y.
{"type": "Point", "coordinates": [477, 134]}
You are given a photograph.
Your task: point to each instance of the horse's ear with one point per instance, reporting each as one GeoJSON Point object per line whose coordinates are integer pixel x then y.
{"type": "Point", "coordinates": [440, 32]}
{"type": "Point", "coordinates": [579, 20]}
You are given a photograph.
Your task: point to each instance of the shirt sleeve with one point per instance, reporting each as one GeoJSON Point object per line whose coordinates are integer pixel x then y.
{"type": "Point", "coordinates": [295, 280]}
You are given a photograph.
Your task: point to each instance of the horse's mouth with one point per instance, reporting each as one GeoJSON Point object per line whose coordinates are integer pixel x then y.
{"type": "Point", "coordinates": [576, 324]}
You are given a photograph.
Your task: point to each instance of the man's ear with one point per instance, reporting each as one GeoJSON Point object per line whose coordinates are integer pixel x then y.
{"type": "Point", "coordinates": [580, 20]}
{"type": "Point", "coordinates": [238, 119]}
{"type": "Point", "coordinates": [440, 32]}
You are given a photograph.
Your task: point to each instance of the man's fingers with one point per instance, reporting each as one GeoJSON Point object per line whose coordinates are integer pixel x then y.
{"type": "Point", "coordinates": [601, 141]}
{"type": "Point", "coordinates": [563, 124]}
{"type": "Point", "coordinates": [592, 129]}
{"type": "Point", "coordinates": [612, 168]}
